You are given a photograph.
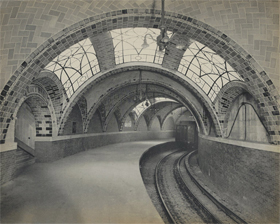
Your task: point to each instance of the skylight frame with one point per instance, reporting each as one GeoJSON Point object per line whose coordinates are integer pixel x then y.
{"type": "Point", "coordinates": [75, 65]}
{"type": "Point", "coordinates": [208, 70]}
{"type": "Point", "coordinates": [128, 45]}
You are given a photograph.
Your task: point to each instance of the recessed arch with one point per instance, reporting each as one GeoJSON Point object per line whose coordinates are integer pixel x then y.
{"type": "Point", "coordinates": [132, 77]}
{"type": "Point", "coordinates": [236, 56]}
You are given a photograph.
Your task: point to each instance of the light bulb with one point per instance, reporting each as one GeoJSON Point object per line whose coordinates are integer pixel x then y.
{"type": "Point", "coordinates": [165, 39]}
{"type": "Point", "coordinates": [147, 103]}
{"type": "Point", "coordinates": [180, 46]}
{"type": "Point", "coordinates": [145, 44]}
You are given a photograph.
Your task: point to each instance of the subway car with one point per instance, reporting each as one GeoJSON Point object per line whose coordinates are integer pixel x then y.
{"type": "Point", "coordinates": [187, 134]}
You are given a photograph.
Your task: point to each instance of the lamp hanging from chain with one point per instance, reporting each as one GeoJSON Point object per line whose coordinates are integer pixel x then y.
{"type": "Point", "coordinates": [162, 39]}
{"type": "Point", "coordinates": [138, 96]}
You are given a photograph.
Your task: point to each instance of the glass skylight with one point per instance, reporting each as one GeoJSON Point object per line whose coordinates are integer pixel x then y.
{"type": "Point", "coordinates": [141, 107]}
{"type": "Point", "coordinates": [128, 45]}
{"type": "Point", "coordinates": [75, 65]}
{"type": "Point", "coordinates": [207, 69]}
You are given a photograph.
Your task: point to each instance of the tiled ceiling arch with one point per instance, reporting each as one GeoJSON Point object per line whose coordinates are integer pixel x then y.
{"type": "Point", "coordinates": [199, 63]}
{"type": "Point", "coordinates": [214, 39]}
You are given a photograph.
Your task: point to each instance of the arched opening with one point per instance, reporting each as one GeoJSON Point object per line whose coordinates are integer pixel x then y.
{"type": "Point", "coordinates": [33, 120]}
{"type": "Point", "coordinates": [25, 126]}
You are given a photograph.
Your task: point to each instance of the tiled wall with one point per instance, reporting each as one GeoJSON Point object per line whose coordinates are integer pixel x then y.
{"type": "Point", "coordinates": [43, 119]}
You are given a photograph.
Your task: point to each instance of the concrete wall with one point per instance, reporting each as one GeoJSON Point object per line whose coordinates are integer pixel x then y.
{"type": "Point", "coordinates": [47, 151]}
{"type": "Point", "coordinates": [249, 175]}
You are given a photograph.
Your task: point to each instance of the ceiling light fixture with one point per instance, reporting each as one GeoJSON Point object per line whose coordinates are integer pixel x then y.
{"type": "Point", "coordinates": [163, 39]}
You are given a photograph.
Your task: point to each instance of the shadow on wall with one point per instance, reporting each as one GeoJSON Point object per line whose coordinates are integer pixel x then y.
{"type": "Point", "coordinates": [244, 122]}
{"type": "Point", "coordinates": [74, 124]}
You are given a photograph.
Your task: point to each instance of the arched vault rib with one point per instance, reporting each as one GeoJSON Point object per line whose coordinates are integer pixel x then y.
{"type": "Point", "coordinates": [173, 107]}
{"type": "Point", "coordinates": [52, 85]}
{"type": "Point", "coordinates": [239, 59]}
{"type": "Point", "coordinates": [42, 108]}
{"type": "Point", "coordinates": [151, 114]}
{"type": "Point", "coordinates": [128, 111]}
{"type": "Point", "coordinates": [122, 99]}
{"type": "Point", "coordinates": [162, 89]}
{"type": "Point", "coordinates": [130, 75]}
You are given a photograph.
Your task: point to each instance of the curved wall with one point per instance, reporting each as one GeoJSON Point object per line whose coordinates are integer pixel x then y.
{"type": "Point", "coordinates": [63, 146]}
{"type": "Point", "coordinates": [247, 172]}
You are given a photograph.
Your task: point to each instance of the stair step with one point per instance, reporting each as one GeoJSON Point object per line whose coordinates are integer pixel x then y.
{"type": "Point", "coordinates": [25, 163]}
{"type": "Point", "coordinates": [22, 160]}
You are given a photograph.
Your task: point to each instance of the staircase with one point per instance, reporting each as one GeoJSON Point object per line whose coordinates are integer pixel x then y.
{"type": "Point", "coordinates": [24, 157]}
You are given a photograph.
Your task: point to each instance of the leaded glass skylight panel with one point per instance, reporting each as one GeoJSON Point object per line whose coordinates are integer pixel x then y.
{"type": "Point", "coordinates": [75, 65]}
{"type": "Point", "coordinates": [141, 107]}
{"type": "Point", "coordinates": [207, 69]}
{"type": "Point", "coordinates": [128, 45]}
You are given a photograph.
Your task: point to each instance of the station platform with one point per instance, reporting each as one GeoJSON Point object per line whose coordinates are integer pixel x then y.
{"type": "Point", "coordinates": [102, 185]}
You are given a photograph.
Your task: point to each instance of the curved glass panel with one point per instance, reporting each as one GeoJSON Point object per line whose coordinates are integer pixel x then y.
{"type": "Point", "coordinates": [207, 69]}
{"type": "Point", "coordinates": [128, 45]}
{"type": "Point", "coordinates": [75, 65]}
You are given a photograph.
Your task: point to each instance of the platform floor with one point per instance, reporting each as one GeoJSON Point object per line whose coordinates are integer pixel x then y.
{"type": "Point", "coordinates": [101, 185]}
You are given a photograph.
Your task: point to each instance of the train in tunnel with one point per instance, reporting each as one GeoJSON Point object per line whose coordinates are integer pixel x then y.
{"type": "Point", "coordinates": [186, 134]}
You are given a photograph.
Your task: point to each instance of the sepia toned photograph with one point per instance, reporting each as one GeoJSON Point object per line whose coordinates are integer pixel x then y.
{"type": "Point", "coordinates": [140, 111]}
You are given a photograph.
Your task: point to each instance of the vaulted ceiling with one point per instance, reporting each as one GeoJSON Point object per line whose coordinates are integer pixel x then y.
{"type": "Point", "coordinates": [72, 48]}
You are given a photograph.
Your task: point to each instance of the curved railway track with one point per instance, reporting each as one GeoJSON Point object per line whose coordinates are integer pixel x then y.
{"type": "Point", "coordinates": [184, 200]}
{"type": "Point", "coordinates": [185, 161]}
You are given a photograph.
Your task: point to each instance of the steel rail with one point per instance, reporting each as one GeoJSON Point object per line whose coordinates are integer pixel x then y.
{"type": "Point", "coordinates": [195, 200]}
{"type": "Point", "coordinates": [223, 208]}
{"type": "Point", "coordinates": [159, 191]}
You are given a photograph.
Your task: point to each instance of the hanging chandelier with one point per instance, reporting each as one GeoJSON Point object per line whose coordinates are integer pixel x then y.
{"type": "Point", "coordinates": [163, 39]}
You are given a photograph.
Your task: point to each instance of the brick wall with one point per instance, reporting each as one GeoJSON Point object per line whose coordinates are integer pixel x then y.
{"type": "Point", "coordinates": [248, 175]}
